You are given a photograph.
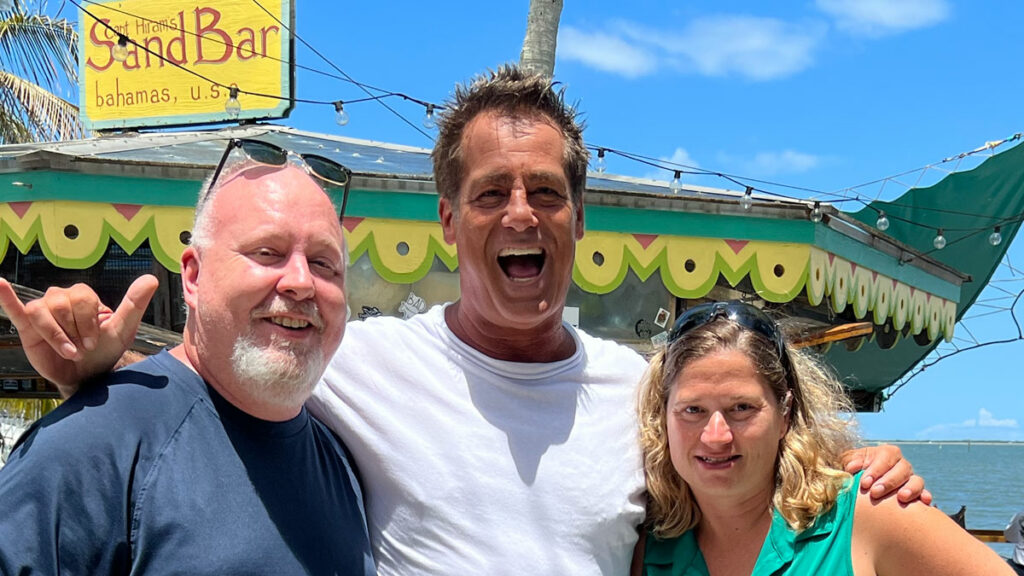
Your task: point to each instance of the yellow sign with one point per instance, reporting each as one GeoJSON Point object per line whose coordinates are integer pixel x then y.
{"type": "Point", "coordinates": [168, 62]}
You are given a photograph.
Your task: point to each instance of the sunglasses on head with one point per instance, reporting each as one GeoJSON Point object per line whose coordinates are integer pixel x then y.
{"type": "Point", "coordinates": [324, 169]}
{"type": "Point", "coordinates": [745, 315]}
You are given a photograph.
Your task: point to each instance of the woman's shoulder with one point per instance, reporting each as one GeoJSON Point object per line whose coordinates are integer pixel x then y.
{"type": "Point", "coordinates": [890, 537]}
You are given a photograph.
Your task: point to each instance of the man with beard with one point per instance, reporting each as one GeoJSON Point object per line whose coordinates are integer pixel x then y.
{"type": "Point", "coordinates": [493, 437]}
{"type": "Point", "coordinates": [202, 459]}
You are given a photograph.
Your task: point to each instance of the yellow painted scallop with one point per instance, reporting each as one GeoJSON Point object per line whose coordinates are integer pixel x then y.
{"type": "Point", "coordinates": [816, 276]}
{"type": "Point", "coordinates": [883, 298]}
{"type": "Point", "coordinates": [900, 305]}
{"type": "Point", "coordinates": [599, 260]}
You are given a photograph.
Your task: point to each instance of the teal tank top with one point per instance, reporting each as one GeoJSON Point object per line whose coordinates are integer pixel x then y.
{"type": "Point", "coordinates": [824, 548]}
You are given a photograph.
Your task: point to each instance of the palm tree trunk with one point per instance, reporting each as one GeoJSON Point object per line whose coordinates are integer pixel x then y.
{"type": "Point", "coordinates": [538, 53]}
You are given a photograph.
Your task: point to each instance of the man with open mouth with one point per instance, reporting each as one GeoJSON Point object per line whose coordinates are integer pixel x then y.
{"type": "Point", "coordinates": [494, 438]}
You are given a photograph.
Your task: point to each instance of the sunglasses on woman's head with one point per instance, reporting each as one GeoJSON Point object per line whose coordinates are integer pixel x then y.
{"type": "Point", "coordinates": [324, 169]}
{"type": "Point", "coordinates": [745, 315]}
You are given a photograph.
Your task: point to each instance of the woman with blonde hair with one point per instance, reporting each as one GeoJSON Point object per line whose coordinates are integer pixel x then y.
{"type": "Point", "coordinates": [742, 440]}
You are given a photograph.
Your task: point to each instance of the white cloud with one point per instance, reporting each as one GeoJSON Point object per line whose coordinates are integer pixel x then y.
{"type": "Point", "coordinates": [985, 426]}
{"type": "Point", "coordinates": [784, 162]}
{"type": "Point", "coordinates": [881, 17]}
{"type": "Point", "coordinates": [744, 46]}
{"type": "Point", "coordinates": [985, 419]}
{"type": "Point", "coordinates": [766, 164]}
{"type": "Point", "coordinates": [682, 157]}
{"type": "Point", "coordinates": [606, 52]}
{"type": "Point", "coordinates": [679, 157]}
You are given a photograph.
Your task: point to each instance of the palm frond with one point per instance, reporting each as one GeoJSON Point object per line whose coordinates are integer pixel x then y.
{"type": "Point", "coordinates": [39, 48]}
{"type": "Point", "coordinates": [12, 127]}
{"type": "Point", "coordinates": [45, 115]}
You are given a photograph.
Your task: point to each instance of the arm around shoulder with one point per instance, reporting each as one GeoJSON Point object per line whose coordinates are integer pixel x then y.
{"type": "Point", "coordinates": [892, 539]}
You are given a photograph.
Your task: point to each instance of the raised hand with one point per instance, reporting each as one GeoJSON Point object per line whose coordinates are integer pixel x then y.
{"type": "Point", "coordinates": [69, 336]}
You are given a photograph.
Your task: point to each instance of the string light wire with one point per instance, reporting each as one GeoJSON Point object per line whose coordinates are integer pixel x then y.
{"type": "Point", "coordinates": [668, 166]}
{"type": "Point", "coordinates": [345, 77]}
{"type": "Point", "coordinates": [343, 73]}
{"type": "Point", "coordinates": [745, 182]}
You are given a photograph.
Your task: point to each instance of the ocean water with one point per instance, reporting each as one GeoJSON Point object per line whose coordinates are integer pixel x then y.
{"type": "Point", "coordinates": [987, 478]}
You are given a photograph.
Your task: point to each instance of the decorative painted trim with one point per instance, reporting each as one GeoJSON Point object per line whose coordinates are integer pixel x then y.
{"type": "Point", "coordinates": [401, 251]}
{"type": "Point", "coordinates": [690, 267]}
{"type": "Point", "coordinates": [865, 290]}
{"type": "Point", "coordinates": [75, 235]}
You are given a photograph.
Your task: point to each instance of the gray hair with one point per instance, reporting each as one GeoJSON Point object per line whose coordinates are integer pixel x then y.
{"type": "Point", "coordinates": [201, 223]}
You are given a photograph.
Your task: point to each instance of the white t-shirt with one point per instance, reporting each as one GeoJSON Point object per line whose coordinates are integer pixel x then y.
{"type": "Point", "coordinates": [473, 465]}
{"type": "Point", "coordinates": [1015, 533]}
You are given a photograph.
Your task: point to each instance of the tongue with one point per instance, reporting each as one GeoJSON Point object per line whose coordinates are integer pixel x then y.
{"type": "Point", "coordinates": [522, 266]}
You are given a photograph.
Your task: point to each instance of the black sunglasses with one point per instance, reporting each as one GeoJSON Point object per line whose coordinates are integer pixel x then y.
{"type": "Point", "coordinates": [745, 315]}
{"type": "Point", "coordinates": [324, 169]}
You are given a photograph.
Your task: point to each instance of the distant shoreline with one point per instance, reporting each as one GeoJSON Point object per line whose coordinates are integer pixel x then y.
{"type": "Point", "coordinates": [963, 442]}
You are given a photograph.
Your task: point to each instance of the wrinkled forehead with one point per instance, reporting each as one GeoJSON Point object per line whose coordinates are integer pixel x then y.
{"type": "Point", "coordinates": [487, 126]}
{"type": "Point", "coordinates": [518, 121]}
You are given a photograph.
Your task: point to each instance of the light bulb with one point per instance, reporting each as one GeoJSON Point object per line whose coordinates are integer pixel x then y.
{"type": "Point", "coordinates": [747, 201]}
{"type": "Point", "coordinates": [677, 185]}
{"type": "Point", "coordinates": [995, 238]}
{"type": "Point", "coordinates": [120, 50]}
{"type": "Point", "coordinates": [882, 223]}
{"type": "Point", "coordinates": [940, 241]}
{"type": "Point", "coordinates": [340, 116]}
{"type": "Point", "coordinates": [428, 119]}
{"type": "Point", "coordinates": [232, 107]}
{"type": "Point", "coordinates": [816, 214]}
{"type": "Point", "coordinates": [600, 164]}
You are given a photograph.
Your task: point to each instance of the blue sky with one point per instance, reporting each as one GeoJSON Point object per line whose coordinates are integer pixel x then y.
{"type": "Point", "coordinates": [822, 94]}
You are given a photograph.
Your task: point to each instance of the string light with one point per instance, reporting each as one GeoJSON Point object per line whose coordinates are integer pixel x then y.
{"type": "Point", "coordinates": [124, 40]}
{"type": "Point", "coordinates": [428, 119]}
{"type": "Point", "coordinates": [232, 106]}
{"type": "Point", "coordinates": [600, 165]}
{"type": "Point", "coordinates": [677, 184]}
{"type": "Point", "coordinates": [882, 223]}
{"type": "Point", "coordinates": [940, 241]}
{"type": "Point", "coordinates": [121, 47]}
{"type": "Point", "coordinates": [748, 199]}
{"type": "Point", "coordinates": [816, 214]}
{"type": "Point", "coordinates": [340, 116]}
{"type": "Point", "coordinates": [996, 237]}
{"type": "Point", "coordinates": [120, 50]}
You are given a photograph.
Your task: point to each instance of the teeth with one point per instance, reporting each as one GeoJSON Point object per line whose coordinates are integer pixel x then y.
{"type": "Point", "coordinates": [520, 252]}
{"type": "Point", "coordinates": [715, 460]}
{"type": "Point", "coordinates": [288, 322]}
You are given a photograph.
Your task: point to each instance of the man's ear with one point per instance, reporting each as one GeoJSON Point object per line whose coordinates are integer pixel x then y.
{"type": "Point", "coordinates": [446, 213]}
{"type": "Point", "coordinates": [190, 276]}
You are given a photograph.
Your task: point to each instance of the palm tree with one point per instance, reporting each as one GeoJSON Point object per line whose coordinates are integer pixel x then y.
{"type": "Point", "coordinates": [38, 60]}
{"type": "Point", "coordinates": [538, 53]}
